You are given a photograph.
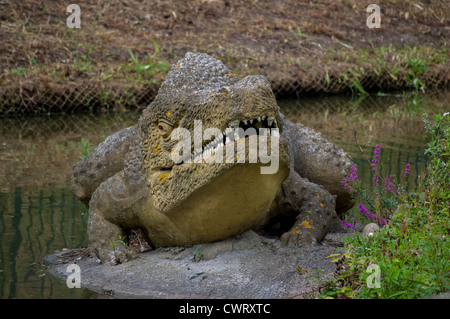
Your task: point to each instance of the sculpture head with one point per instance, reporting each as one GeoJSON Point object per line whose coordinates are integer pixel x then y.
{"type": "Point", "coordinates": [204, 137]}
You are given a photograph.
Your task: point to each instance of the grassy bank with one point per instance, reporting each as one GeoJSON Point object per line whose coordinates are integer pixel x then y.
{"type": "Point", "coordinates": [122, 51]}
{"type": "Point", "coordinates": [408, 256]}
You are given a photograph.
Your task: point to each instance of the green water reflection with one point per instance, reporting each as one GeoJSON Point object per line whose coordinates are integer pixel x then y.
{"type": "Point", "coordinates": [35, 222]}
{"type": "Point", "coordinates": [39, 215]}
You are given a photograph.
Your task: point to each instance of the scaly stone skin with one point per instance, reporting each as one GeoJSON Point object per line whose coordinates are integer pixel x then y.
{"type": "Point", "coordinates": [130, 180]}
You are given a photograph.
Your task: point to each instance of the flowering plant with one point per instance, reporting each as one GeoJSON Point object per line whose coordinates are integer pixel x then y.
{"type": "Point", "coordinates": [378, 201]}
{"type": "Point", "coordinates": [412, 253]}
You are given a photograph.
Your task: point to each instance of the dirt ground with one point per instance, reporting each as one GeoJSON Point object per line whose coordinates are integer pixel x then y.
{"type": "Point", "coordinates": [123, 49]}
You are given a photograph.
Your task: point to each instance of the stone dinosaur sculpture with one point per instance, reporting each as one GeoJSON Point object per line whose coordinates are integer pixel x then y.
{"type": "Point", "coordinates": [132, 181]}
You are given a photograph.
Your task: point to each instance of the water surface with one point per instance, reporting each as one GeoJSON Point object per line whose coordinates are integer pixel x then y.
{"type": "Point", "coordinates": [39, 215]}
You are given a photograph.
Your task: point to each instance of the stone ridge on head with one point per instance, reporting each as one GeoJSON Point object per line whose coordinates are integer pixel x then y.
{"type": "Point", "coordinates": [196, 72]}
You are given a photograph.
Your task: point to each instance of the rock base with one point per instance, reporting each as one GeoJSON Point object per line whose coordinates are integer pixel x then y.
{"type": "Point", "coordinates": [247, 266]}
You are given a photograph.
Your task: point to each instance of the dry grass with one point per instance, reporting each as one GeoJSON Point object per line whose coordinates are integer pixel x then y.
{"type": "Point", "coordinates": [123, 49]}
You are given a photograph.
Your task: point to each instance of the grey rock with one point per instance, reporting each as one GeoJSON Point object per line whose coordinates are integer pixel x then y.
{"type": "Point", "coordinates": [370, 229]}
{"type": "Point", "coordinates": [248, 266]}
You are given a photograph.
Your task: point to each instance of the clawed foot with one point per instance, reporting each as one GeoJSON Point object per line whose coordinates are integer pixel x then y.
{"type": "Point", "coordinates": [309, 228]}
{"type": "Point", "coordinates": [301, 235]}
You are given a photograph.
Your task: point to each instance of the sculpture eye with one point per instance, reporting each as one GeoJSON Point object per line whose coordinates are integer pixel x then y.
{"type": "Point", "coordinates": [165, 128]}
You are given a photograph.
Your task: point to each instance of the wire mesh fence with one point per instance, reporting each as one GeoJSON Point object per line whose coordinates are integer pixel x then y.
{"type": "Point", "coordinates": [89, 95]}
{"type": "Point", "coordinates": [74, 97]}
{"type": "Point", "coordinates": [334, 79]}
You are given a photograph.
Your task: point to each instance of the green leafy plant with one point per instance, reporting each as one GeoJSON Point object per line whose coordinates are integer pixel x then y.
{"type": "Point", "coordinates": [416, 67]}
{"type": "Point", "coordinates": [356, 85]}
{"type": "Point", "coordinates": [298, 32]}
{"type": "Point", "coordinates": [18, 71]}
{"type": "Point", "coordinates": [148, 67]}
{"type": "Point", "coordinates": [85, 147]}
{"type": "Point", "coordinates": [121, 241]}
{"type": "Point", "coordinates": [412, 249]}
{"type": "Point", "coordinates": [115, 244]}
{"type": "Point", "coordinates": [85, 210]}
{"type": "Point", "coordinates": [198, 254]}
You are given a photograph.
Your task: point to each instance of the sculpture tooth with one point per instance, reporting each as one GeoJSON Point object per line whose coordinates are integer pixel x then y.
{"type": "Point", "coordinates": [251, 121]}
{"type": "Point", "coordinates": [259, 119]}
{"type": "Point", "coordinates": [263, 117]}
{"type": "Point", "coordinates": [245, 122]}
{"type": "Point", "coordinates": [275, 121]}
{"type": "Point", "coordinates": [270, 120]}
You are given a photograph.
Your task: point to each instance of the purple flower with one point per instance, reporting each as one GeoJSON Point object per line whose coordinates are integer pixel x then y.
{"type": "Point", "coordinates": [364, 211]}
{"type": "Point", "coordinates": [376, 157]}
{"type": "Point", "coordinates": [407, 167]}
{"type": "Point", "coordinates": [388, 184]}
{"type": "Point", "coordinates": [353, 176]}
{"type": "Point", "coordinates": [346, 183]}
{"type": "Point", "coordinates": [376, 151]}
{"type": "Point", "coordinates": [375, 180]}
{"type": "Point", "coordinates": [347, 224]}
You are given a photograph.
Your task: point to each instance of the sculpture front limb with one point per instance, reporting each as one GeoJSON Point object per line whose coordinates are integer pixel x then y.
{"type": "Point", "coordinates": [105, 161]}
{"type": "Point", "coordinates": [321, 162]}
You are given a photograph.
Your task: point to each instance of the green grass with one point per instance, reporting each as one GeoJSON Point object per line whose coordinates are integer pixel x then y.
{"type": "Point", "coordinates": [83, 63]}
{"type": "Point", "coordinates": [147, 69]}
{"type": "Point", "coordinates": [410, 63]}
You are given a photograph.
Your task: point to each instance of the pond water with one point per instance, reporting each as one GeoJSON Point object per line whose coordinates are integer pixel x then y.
{"type": "Point", "coordinates": [39, 215]}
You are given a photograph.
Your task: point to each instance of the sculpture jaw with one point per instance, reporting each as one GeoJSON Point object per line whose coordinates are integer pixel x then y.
{"type": "Point", "coordinates": [223, 199]}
